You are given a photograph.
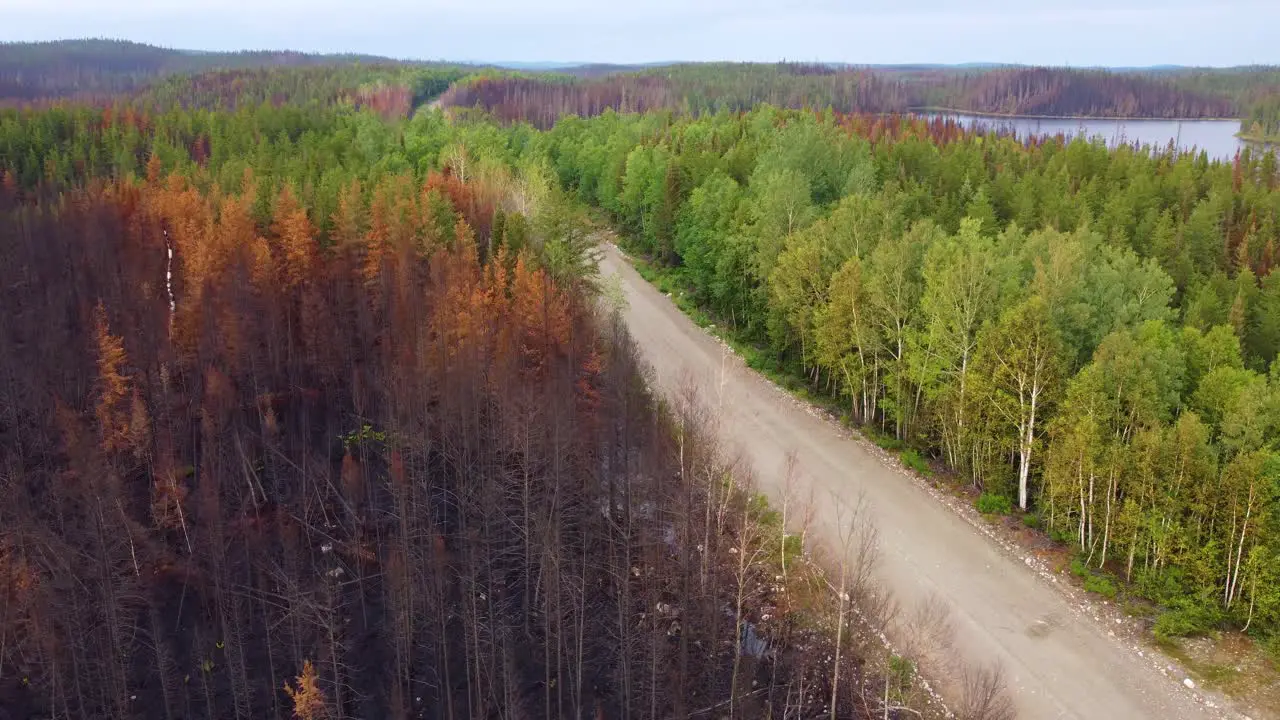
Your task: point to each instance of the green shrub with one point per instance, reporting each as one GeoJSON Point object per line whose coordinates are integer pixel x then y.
{"type": "Point", "coordinates": [1175, 623]}
{"type": "Point", "coordinates": [792, 546]}
{"type": "Point", "coordinates": [1272, 648]}
{"type": "Point", "coordinates": [1031, 520]}
{"type": "Point", "coordinates": [1194, 616]}
{"type": "Point", "coordinates": [1100, 584]}
{"type": "Point", "coordinates": [882, 441]}
{"type": "Point", "coordinates": [993, 504]}
{"type": "Point", "coordinates": [759, 510]}
{"type": "Point", "coordinates": [1093, 582]}
{"type": "Point", "coordinates": [912, 459]}
{"type": "Point", "coordinates": [755, 359]}
{"type": "Point", "coordinates": [902, 671]}
{"type": "Point", "coordinates": [888, 442]}
{"type": "Point", "coordinates": [1167, 587]}
{"type": "Point", "coordinates": [645, 271]}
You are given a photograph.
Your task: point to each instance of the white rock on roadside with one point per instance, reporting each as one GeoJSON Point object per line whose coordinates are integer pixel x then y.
{"type": "Point", "coordinates": [1189, 683]}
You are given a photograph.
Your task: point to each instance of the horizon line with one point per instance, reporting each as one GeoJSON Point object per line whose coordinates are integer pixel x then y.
{"type": "Point", "coordinates": [562, 64]}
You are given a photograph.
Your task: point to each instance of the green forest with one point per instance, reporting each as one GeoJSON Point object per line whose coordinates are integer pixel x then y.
{"type": "Point", "coordinates": [1262, 122]}
{"type": "Point", "coordinates": [1090, 334]}
{"type": "Point", "coordinates": [307, 382]}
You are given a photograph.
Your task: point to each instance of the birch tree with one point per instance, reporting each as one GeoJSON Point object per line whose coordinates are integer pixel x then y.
{"type": "Point", "coordinates": [958, 298]}
{"type": "Point", "coordinates": [1023, 356]}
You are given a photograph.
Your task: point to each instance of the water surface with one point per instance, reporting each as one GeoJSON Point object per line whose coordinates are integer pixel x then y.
{"type": "Point", "coordinates": [1216, 137]}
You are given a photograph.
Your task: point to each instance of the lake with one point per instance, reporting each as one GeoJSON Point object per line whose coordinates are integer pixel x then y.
{"type": "Point", "coordinates": [1216, 137]}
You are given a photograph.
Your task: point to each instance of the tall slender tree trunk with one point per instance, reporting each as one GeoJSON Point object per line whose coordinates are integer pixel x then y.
{"type": "Point", "coordinates": [1028, 444]}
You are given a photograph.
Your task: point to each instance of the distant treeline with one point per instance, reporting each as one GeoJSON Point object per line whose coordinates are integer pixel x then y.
{"type": "Point", "coordinates": [389, 89]}
{"type": "Point", "coordinates": [540, 99]}
{"type": "Point", "coordinates": [102, 71]}
{"type": "Point", "coordinates": [88, 67]}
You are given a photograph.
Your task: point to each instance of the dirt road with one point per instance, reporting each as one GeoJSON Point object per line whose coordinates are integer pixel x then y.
{"type": "Point", "coordinates": [1059, 663]}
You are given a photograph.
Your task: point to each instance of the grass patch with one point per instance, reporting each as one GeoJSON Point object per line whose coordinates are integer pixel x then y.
{"type": "Point", "coordinates": [1217, 675]}
{"type": "Point", "coordinates": [1212, 674]}
{"type": "Point", "coordinates": [1172, 648]}
{"type": "Point", "coordinates": [1136, 609]}
{"type": "Point", "coordinates": [1031, 520]}
{"type": "Point", "coordinates": [1232, 664]}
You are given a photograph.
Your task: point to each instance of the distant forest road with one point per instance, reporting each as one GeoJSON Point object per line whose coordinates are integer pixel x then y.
{"type": "Point", "coordinates": [1058, 663]}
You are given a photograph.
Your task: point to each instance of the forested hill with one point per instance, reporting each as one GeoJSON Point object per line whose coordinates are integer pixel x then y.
{"type": "Point", "coordinates": [77, 67]}
{"type": "Point", "coordinates": [731, 86]}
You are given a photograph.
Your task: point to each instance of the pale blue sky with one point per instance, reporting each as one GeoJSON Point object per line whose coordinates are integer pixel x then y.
{"type": "Point", "coordinates": [1075, 32]}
